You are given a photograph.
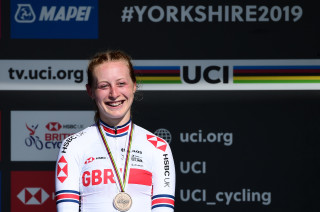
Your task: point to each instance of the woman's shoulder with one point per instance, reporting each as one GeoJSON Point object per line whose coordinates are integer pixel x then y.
{"type": "Point", "coordinates": [141, 131]}
{"type": "Point", "coordinates": [83, 134]}
{"type": "Point", "coordinates": [79, 138]}
{"type": "Point", "coordinates": [154, 141]}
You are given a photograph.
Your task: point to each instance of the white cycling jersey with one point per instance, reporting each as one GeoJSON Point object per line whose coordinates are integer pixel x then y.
{"type": "Point", "coordinates": [85, 178]}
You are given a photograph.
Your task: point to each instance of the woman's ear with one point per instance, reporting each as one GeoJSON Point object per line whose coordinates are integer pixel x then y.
{"type": "Point", "coordinates": [134, 87]}
{"type": "Point", "coordinates": [89, 91]}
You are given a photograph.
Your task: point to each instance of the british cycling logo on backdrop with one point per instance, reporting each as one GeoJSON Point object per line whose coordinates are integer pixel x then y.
{"type": "Point", "coordinates": [38, 135]}
{"type": "Point", "coordinates": [60, 19]}
{"type": "Point", "coordinates": [32, 139]}
{"type": "Point", "coordinates": [52, 138]}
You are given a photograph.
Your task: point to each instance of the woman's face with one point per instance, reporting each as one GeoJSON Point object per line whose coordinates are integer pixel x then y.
{"type": "Point", "coordinates": [113, 91]}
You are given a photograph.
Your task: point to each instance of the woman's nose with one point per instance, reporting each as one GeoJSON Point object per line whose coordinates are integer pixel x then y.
{"type": "Point", "coordinates": [114, 93]}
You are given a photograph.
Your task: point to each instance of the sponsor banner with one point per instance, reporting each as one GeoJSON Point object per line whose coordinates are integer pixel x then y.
{"type": "Point", "coordinates": [37, 135]}
{"type": "Point", "coordinates": [168, 74]}
{"type": "Point", "coordinates": [32, 191]}
{"type": "Point", "coordinates": [61, 19]}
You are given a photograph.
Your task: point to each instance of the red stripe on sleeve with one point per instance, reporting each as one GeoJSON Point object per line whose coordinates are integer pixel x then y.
{"type": "Point", "coordinates": [68, 196]}
{"type": "Point", "coordinates": [163, 200]}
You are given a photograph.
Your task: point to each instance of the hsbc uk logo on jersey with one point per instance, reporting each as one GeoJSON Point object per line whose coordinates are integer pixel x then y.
{"type": "Point", "coordinates": [157, 142]}
{"type": "Point", "coordinates": [61, 19]}
{"type": "Point", "coordinates": [62, 169]}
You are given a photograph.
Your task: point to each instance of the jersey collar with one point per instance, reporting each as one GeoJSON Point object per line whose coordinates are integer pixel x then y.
{"type": "Point", "coordinates": [117, 131]}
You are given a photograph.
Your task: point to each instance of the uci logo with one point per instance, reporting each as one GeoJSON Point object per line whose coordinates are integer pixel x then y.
{"type": "Point", "coordinates": [211, 74]}
{"type": "Point", "coordinates": [25, 14]}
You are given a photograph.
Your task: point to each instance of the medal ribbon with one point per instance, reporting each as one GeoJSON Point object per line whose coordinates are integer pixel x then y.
{"type": "Point", "coordinates": [126, 165]}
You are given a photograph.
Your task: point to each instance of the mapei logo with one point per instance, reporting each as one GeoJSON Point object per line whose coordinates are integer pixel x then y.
{"type": "Point", "coordinates": [62, 172]}
{"type": "Point", "coordinates": [25, 14]}
{"type": "Point", "coordinates": [33, 196]}
{"type": "Point", "coordinates": [53, 126]}
{"type": "Point", "coordinates": [158, 142]}
{"type": "Point", "coordinates": [54, 19]}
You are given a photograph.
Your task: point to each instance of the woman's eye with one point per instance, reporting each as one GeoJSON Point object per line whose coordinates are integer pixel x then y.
{"type": "Point", "coordinates": [121, 83]}
{"type": "Point", "coordinates": [103, 86]}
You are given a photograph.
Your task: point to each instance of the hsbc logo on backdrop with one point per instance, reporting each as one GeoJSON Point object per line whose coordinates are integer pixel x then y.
{"type": "Point", "coordinates": [33, 196]}
{"type": "Point", "coordinates": [53, 126]}
{"type": "Point", "coordinates": [32, 191]}
{"type": "Point", "coordinates": [54, 19]}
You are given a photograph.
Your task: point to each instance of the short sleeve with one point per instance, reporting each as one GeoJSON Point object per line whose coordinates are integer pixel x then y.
{"type": "Point", "coordinates": [163, 179]}
{"type": "Point", "coordinates": [67, 177]}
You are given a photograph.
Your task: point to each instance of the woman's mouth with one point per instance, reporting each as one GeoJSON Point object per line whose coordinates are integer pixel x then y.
{"type": "Point", "coordinates": [114, 104]}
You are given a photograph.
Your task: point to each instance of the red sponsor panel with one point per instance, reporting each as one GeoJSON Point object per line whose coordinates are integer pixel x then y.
{"type": "Point", "coordinates": [32, 191]}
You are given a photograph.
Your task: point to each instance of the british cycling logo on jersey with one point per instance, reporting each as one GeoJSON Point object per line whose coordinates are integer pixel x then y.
{"type": "Point", "coordinates": [60, 19]}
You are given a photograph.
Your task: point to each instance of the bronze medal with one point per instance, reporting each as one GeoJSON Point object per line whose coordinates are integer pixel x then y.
{"type": "Point", "coordinates": [122, 201]}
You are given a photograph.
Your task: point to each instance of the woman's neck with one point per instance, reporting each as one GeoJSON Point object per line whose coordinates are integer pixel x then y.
{"type": "Point", "coordinates": [115, 122]}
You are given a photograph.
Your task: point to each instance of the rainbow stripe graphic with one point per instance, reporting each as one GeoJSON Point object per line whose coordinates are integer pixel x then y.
{"type": "Point", "coordinates": [158, 74]}
{"type": "Point", "coordinates": [276, 74]}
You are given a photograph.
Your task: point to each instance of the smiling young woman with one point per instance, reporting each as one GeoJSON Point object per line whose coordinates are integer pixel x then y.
{"type": "Point", "coordinates": [114, 165]}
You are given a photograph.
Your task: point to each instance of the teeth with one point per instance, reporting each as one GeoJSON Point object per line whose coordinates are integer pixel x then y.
{"type": "Point", "coordinates": [114, 104]}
